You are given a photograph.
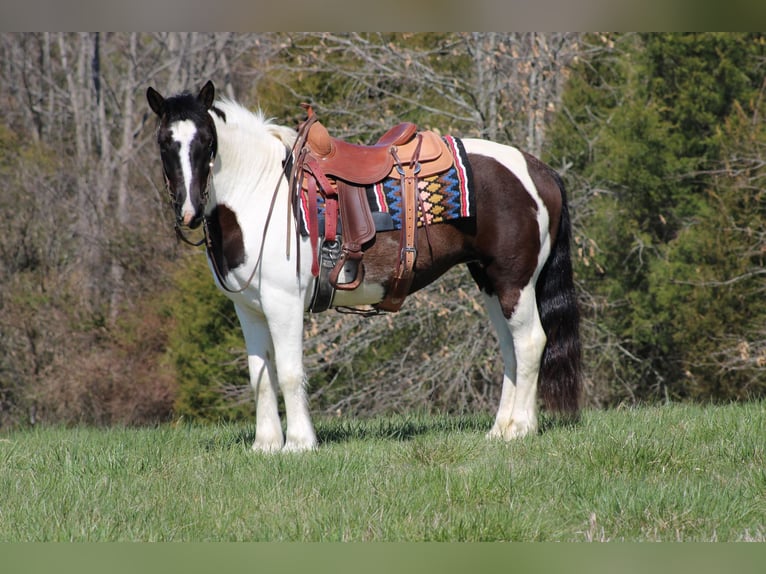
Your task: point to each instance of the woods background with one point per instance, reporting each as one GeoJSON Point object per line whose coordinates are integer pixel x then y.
{"type": "Point", "coordinates": [660, 138]}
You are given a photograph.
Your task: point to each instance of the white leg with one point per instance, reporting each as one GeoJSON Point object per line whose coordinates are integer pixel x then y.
{"type": "Point", "coordinates": [517, 414]}
{"type": "Point", "coordinates": [508, 394]}
{"type": "Point", "coordinates": [287, 335]}
{"type": "Point", "coordinates": [529, 339]}
{"type": "Point", "coordinates": [268, 427]}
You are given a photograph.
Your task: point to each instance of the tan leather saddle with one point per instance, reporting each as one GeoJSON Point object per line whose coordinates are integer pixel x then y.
{"type": "Point", "coordinates": [340, 171]}
{"type": "Point", "coordinates": [366, 165]}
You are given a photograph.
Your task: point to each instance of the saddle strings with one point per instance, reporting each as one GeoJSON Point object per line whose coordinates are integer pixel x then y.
{"type": "Point", "coordinates": [413, 165]}
{"type": "Point", "coordinates": [295, 179]}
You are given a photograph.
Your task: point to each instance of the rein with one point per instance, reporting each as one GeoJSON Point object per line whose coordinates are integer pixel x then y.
{"type": "Point", "coordinates": [182, 236]}
{"type": "Point", "coordinates": [207, 240]}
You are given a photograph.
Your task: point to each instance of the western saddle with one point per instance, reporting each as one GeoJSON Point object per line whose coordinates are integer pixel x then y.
{"type": "Point", "coordinates": [340, 171]}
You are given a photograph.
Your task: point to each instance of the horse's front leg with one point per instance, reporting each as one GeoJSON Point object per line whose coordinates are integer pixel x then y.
{"type": "Point", "coordinates": [286, 327]}
{"type": "Point", "coordinates": [268, 428]}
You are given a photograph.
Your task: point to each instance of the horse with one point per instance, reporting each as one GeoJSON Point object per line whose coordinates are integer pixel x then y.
{"type": "Point", "coordinates": [227, 168]}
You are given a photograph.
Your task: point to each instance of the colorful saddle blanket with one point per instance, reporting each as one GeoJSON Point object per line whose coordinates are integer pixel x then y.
{"type": "Point", "coordinates": [444, 197]}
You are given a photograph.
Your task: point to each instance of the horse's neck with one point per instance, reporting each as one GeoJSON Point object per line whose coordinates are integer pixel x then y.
{"type": "Point", "coordinates": [248, 178]}
{"type": "Point", "coordinates": [246, 172]}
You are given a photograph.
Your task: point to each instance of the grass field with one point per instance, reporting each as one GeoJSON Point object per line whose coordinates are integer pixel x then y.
{"type": "Point", "coordinates": [675, 472]}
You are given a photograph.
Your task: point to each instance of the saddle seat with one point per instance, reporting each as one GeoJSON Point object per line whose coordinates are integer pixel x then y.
{"type": "Point", "coordinates": [369, 164]}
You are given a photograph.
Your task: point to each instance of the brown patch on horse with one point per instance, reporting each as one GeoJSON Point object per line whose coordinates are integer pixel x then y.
{"type": "Point", "coordinates": [450, 244]}
{"type": "Point", "coordinates": [227, 246]}
{"type": "Point", "coordinates": [507, 232]}
{"type": "Point", "coordinates": [500, 244]}
{"type": "Point", "coordinates": [546, 182]}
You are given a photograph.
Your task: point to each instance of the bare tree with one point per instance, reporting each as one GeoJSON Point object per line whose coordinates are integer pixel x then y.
{"type": "Point", "coordinates": [494, 85]}
{"type": "Point", "coordinates": [83, 192]}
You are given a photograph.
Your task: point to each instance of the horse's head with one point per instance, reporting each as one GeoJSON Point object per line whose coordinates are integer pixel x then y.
{"type": "Point", "coordinates": [188, 144]}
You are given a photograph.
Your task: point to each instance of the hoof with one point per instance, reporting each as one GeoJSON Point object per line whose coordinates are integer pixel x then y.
{"type": "Point", "coordinates": [267, 446]}
{"type": "Point", "coordinates": [512, 431]}
{"type": "Point", "coordinates": [306, 444]}
{"type": "Point", "coordinates": [299, 447]}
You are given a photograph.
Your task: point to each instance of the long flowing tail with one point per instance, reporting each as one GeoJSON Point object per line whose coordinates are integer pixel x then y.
{"type": "Point", "coordinates": [560, 383]}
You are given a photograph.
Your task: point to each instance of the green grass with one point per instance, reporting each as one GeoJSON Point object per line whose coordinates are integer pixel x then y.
{"type": "Point", "coordinates": [662, 473]}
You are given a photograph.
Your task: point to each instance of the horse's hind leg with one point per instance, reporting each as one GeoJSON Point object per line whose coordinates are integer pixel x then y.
{"type": "Point", "coordinates": [522, 340]}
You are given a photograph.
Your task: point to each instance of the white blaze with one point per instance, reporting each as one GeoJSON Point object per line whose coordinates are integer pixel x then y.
{"type": "Point", "coordinates": [183, 132]}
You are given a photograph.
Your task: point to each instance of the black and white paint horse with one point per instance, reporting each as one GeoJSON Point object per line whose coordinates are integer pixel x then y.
{"type": "Point", "coordinates": [224, 167]}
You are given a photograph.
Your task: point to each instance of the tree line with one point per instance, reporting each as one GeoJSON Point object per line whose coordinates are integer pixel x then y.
{"type": "Point", "coordinates": [659, 137]}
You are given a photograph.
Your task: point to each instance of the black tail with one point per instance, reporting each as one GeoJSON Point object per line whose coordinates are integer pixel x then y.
{"type": "Point", "coordinates": [560, 383]}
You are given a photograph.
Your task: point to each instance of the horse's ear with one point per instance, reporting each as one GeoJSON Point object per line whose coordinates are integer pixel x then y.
{"type": "Point", "coordinates": [207, 95]}
{"type": "Point", "coordinates": [156, 101]}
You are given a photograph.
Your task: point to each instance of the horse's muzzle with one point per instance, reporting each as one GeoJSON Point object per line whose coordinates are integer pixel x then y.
{"type": "Point", "coordinates": [190, 220]}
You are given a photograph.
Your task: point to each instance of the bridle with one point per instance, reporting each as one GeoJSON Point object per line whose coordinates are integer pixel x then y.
{"type": "Point", "coordinates": [206, 238]}
{"type": "Point", "coordinates": [204, 195]}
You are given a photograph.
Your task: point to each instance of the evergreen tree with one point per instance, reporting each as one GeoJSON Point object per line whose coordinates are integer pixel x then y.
{"type": "Point", "coordinates": [659, 227]}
